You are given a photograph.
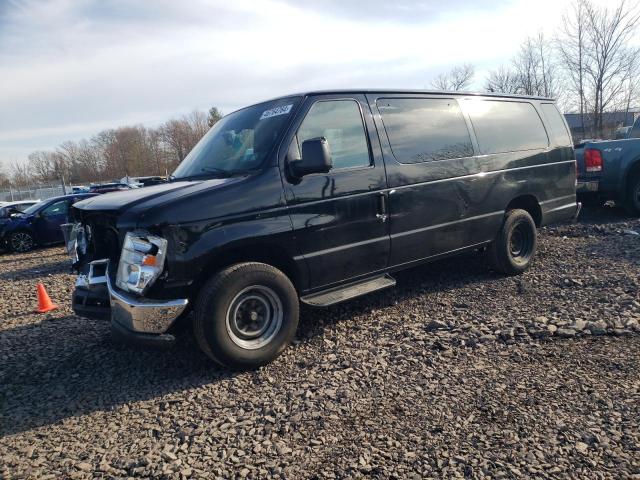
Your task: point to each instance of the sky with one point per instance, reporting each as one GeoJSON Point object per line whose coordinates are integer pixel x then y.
{"type": "Point", "coordinates": [70, 68]}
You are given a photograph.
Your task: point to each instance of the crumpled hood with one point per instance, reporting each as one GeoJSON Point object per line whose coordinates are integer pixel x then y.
{"type": "Point", "coordinates": [146, 198]}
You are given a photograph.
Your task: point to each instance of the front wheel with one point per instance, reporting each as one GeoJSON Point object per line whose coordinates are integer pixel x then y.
{"type": "Point", "coordinates": [515, 245]}
{"type": "Point", "coordinates": [246, 315]}
{"type": "Point", "coordinates": [21, 242]}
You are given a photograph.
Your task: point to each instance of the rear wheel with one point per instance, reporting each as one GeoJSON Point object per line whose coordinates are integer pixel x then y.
{"type": "Point", "coordinates": [21, 241]}
{"type": "Point", "coordinates": [632, 202]}
{"type": "Point", "coordinates": [246, 315]}
{"type": "Point", "coordinates": [515, 245]}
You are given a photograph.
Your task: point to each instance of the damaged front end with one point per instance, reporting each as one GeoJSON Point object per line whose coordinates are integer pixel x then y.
{"type": "Point", "coordinates": [115, 271]}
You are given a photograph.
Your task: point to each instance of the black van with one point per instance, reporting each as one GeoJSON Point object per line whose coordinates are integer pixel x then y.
{"type": "Point", "coordinates": [319, 198]}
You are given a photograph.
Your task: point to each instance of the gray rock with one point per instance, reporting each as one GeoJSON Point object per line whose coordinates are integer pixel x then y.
{"type": "Point", "coordinates": [566, 332]}
{"type": "Point", "coordinates": [487, 338]}
{"type": "Point", "coordinates": [434, 325]}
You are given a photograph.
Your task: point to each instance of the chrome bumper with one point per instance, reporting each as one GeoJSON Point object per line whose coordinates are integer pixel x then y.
{"type": "Point", "coordinates": [136, 314]}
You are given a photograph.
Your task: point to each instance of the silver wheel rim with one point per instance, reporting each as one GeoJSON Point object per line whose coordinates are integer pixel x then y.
{"type": "Point", "coordinates": [21, 242]}
{"type": "Point", "coordinates": [254, 317]}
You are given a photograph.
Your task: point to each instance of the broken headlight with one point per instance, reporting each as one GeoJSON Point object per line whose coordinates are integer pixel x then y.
{"type": "Point", "coordinates": [141, 261]}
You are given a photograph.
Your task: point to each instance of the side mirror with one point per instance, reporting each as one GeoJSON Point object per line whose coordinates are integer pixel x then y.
{"type": "Point", "coordinates": [316, 158]}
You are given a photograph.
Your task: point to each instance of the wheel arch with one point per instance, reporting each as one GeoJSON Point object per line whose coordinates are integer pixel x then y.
{"type": "Point", "coordinates": [270, 254]}
{"type": "Point", "coordinates": [530, 204]}
{"type": "Point", "coordinates": [630, 172]}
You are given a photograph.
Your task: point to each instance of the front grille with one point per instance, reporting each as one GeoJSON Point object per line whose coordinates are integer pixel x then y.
{"type": "Point", "coordinates": [103, 236]}
{"type": "Point", "coordinates": [104, 240]}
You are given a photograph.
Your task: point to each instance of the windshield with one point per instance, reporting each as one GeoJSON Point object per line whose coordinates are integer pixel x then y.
{"type": "Point", "coordinates": [32, 209]}
{"type": "Point", "coordinates": [238, 142]}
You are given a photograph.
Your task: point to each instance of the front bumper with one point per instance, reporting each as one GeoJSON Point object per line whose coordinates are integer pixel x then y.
{"type": "Point", "coordinates": [132, 318]}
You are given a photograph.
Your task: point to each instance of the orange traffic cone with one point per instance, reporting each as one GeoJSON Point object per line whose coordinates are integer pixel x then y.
{"type": "Point", "coordinates": [44, 302]}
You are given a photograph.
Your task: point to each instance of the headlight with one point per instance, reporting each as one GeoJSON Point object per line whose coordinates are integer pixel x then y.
{"type": "Point", "coordinates": [141, 261]}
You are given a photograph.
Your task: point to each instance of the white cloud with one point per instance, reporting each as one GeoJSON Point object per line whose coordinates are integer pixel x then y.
{"type": "Point", "coordinates": [72, 67]}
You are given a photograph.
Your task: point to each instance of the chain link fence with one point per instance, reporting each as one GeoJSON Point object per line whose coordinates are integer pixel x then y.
{"type": "Point", "coordinates": [33, 192]}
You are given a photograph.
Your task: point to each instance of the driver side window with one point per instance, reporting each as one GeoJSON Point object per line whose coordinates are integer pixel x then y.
{"type": "Point", "coordinates": [340, 122]}
{"type": "Point", "coordinates": [58, 208]}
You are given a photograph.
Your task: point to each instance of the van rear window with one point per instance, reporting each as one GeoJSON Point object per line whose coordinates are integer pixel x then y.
{"type": "Point", "coordinates": [425, 129]}
{"type": "Point", "coordinates": [558, 130]}
{"type": "Point", "coordinates": [502, 126]}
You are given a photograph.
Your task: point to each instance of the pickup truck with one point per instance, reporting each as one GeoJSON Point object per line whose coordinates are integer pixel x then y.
{"type": "Point", "coordinates": [610, 170]}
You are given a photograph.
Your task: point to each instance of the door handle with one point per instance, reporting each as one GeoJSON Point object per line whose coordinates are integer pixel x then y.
{"type": "Point", "coordinates": [382, 207]}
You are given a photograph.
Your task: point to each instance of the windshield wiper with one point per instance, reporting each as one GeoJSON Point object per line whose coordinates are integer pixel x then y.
{"type": "Point", "coordinates": [216, 171]}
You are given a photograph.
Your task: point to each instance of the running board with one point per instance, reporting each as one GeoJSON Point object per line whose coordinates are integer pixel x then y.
{"type": "Point", "coordinates": [340, 294]}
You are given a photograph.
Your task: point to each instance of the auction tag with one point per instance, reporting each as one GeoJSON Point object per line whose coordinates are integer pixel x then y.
{"type": "Point", "coordinates": [274, 112]}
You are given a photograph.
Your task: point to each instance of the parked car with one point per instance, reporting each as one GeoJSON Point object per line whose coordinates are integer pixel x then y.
{"type": "Point", "coordinates": [8, 210]}
{"type": "Point", "coordinates": [319, 198]}
{"type": "Point", "coordinates": [79, 189]}
{"type": "Point", "coordinates": [139, 182]}
{"type": "Point", "coordinates": [39, 224]}
{"type": "Point", "coordinates": [610, 170]}
{"type": "Point", "coordinates": [109, 187]}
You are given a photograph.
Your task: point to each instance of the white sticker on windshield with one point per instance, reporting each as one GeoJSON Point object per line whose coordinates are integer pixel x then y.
{"type": "Point", "coordinates": [274, 112]}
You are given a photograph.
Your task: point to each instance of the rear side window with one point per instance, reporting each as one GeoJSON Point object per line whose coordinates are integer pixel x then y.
{"type": "Point", "coordinates": [340, 122]}
{"type": "Point", "coordinates": [557, 129]}
{"type": "Point", "coordinates": [425, 129]}
{"type": "Point", "coordinates": [506, 126]}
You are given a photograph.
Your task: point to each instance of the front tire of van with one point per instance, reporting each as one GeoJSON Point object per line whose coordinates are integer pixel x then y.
{"type": "Point", "coordinates": [515, 245]}
{"type": "Point", "coordinates": [246, 315]}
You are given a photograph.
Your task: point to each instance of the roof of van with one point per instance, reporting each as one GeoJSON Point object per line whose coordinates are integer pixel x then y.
{"type": "Point", "coordinates": [352, 91]}
{"type": "Point", "coordinates": [429, 92]}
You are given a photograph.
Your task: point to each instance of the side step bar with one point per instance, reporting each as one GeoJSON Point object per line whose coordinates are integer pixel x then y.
{"type": "Point", "coordinates": [353, 290]}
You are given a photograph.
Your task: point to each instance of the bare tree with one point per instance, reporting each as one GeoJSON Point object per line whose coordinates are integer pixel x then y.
{"type": "Point", "coordinates": [198, 124]}
{"type": "Point", "coordinates": [503, 80]}
{"type": "Point", "coordinates": [571, 47]}
{"type": "Point", "coordinates": [19, 173]}
{"type": "Point", "coordinates": [41, 165]}
{"type": "Point", "coordinates": [4, 178]}
{"type": "Point", "coordinates": [609, 55]}
{"type": "Point", "coordinates": [631, 89]}
{"type": "Point", "coordinates": [458, 78]}
{"type": "Point", "coordinates": [534, 66]}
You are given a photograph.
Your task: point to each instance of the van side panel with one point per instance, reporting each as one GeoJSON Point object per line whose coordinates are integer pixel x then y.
{"type": "Point", "coordinates": [442, 206]}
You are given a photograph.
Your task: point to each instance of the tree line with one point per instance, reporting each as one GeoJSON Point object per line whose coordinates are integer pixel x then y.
{"type": "Point", "coordinates": [114, 153]}
{"type": "Point", "coordinates": [588, 65]}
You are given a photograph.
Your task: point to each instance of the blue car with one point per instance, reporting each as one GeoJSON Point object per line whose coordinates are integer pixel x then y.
{"type": "Point", "coordinates": [9, 209]}
{"type": "Point", "coordinates": [39, 224]}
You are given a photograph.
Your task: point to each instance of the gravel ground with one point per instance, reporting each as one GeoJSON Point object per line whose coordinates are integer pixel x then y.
{"type": "Point", "coordinates": [457, 372]}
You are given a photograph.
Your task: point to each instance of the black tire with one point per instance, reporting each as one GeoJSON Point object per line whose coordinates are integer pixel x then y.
{"type": "Point", "coordinates": [21, 241]}
{"type": "Point", "coordinates": [236, 305]}
{"type": "Point", "coordinates": [515, 245]}
{"type": "Point", "coordinates": [632, 198]}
